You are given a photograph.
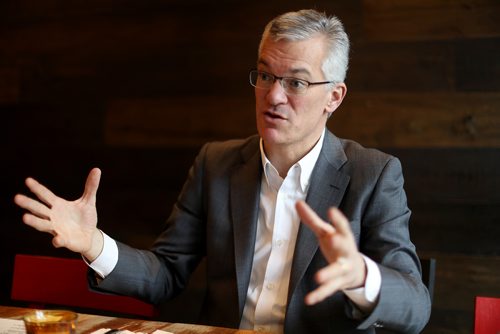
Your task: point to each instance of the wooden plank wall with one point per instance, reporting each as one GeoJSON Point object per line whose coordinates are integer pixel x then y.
{"type": "Point", "coordinates": [136, 87]}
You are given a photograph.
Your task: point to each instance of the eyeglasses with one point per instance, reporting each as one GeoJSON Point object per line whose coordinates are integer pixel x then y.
{"type": "Point", "coordinates": [291, 86]}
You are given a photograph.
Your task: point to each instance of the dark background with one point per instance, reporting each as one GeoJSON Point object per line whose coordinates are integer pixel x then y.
{"type": "Point", "coordinates": [135, 88]}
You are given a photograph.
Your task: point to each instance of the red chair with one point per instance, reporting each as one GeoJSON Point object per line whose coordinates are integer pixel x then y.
{"type": "Point", "coordinates": [42, 280]}
{"type": "Point", "coordinates": [487, 315]}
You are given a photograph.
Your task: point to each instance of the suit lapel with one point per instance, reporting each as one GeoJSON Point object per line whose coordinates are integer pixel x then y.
{"type": "Point", "coordinates": [245, 190]}
{"type": "Point", "coordinates": [326, 188]}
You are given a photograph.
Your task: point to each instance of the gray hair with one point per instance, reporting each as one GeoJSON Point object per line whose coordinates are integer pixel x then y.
{"type": "Point", "coordinates": [306, 24]}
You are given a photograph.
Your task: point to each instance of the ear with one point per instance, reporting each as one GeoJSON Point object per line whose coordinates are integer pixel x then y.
{"type": "Point", "coordinates": [336, 96]}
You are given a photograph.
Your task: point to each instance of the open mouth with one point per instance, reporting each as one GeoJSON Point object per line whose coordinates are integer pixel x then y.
{"type": "Point", "coordinates": [274, 115]}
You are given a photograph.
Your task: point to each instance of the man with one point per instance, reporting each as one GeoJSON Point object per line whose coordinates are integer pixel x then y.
{"type": "Point", "coordinates": [250, 207]}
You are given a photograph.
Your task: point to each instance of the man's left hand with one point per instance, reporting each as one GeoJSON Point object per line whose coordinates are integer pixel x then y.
{"type": "Point", "coordinates": [346, 269]}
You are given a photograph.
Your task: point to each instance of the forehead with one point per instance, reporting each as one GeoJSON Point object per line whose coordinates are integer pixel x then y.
{"type": "Point", "coordinates": [285, 57]}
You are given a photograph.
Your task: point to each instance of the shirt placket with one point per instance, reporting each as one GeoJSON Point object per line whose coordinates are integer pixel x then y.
{"type": "Point", "coordinates": [272, 300]}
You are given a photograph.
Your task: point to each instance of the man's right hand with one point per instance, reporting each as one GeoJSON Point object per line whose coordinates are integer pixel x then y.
{"type": "Point", "coordinates": [72, 223]}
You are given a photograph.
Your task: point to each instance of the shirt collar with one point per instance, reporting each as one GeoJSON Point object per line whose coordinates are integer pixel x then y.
{"type": "Point", "coordinates": [306, 164]}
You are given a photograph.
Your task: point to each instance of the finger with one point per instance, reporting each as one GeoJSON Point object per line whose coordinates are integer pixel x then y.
{"type": "Point", "coordinates": [336, 269]}
{"type": "Point", "coordinates": [58, 241]}
{"type": "Point", "coordinates": [323, 291]}
{"type": "Point", "coordinates": [91, 185]}
{"type": "Point", "coordinates": [40, 224]}
{"type": "Point", "coordinates": [32, 206]}
{"type": "Point", "coordinates": [44, 194]}
{"type": "Point", "coordinates": [311, 219]}
{"type": "Point", "coordinates": [339, 221]}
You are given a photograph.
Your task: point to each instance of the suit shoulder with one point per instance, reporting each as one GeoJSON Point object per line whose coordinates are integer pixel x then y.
{"type": "Point", "coordinates": [356, 152]}
{"type": "Point", "coordinates": [231, 151]}
{"type": "Point", "coordinates": [232, 146]}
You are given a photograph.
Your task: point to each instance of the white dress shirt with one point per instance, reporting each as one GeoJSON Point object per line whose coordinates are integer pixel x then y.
{"type": "Point", "coordinates": [278, 224]}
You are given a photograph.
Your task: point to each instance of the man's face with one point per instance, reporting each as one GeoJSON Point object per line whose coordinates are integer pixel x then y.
{"type": "Point", "coordinates": [293, 122]}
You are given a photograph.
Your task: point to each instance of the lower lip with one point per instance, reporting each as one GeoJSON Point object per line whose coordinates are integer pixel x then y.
{"type": "Point", "coordinates": [272, 119]}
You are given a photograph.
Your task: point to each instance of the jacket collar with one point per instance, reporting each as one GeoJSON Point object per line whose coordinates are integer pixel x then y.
{"type": "Point", "coordinates": [327, 188]}
{"type": "Point", "coordinates": [245, 194]}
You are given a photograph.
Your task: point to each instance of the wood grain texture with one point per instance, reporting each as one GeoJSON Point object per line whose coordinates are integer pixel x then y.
{"type": "Point", "coordinates": [178, 121]}
{"type": "Point", "coordinates": [88, 323]}
{"type": "Point", "coordinates": [430, 19]}
{"type": "Point", "coordinates": [381, 120]}
{"type": "Point", "coordinates": [477, 64]}
{"type": "Point", "coordinates": [10, 82]}
{"type": "Point", "coordinates": [415, 66]}
{"type": "Point", "coordinates": [420, 120]}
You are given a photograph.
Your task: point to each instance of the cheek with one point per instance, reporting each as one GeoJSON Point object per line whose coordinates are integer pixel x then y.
{"type": "Point", "coordinates": [309, 112]}
{"type": "Point", "coordinates": [260, 99]}
{"type": "Point", "coordinates": [315, 107]}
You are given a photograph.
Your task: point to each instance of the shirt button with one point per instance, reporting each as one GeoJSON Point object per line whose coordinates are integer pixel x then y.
{"type": "Point", "coordinates": [279, 243]}
{"type": "Point", "coordinates": [270, 286]}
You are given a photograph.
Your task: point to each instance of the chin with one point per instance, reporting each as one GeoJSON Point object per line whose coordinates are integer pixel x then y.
{"type": "Point", "coordinates": [269, 134]}
{"type": "Point", "coordinates": [273, 139]}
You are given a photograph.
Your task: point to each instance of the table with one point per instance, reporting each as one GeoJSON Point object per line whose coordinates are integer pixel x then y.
{"type": "Point", "coordinates": [87, 323]}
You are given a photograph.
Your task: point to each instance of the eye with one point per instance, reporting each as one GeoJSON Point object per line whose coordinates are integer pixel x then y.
{"type": "Point", "coordinates": [266, 77]}
{"type": "Point", "coordinates": [296, 84]}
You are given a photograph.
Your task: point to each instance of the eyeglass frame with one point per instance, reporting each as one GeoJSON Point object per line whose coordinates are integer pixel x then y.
{"type": "Point", "coordinates": [280, 79]}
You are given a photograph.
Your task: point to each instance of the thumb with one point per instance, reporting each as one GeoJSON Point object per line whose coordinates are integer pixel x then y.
{"type": "Point", "coordinates": [91, 185]}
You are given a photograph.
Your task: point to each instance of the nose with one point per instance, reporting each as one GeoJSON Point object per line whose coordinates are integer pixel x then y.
{"type": "Point", "coordinates": [276, 93]}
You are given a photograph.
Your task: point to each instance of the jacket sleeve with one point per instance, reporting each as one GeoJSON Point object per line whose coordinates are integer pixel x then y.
{"type": "Point", "coordinates": [163, 271]}
{"type": "Point", "coordinates": [404, 303]}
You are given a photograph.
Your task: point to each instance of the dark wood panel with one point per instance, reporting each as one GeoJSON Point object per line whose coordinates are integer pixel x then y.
{"type": "Point", "coordinates": [456, 229]}
{"type": "Point", "coordinates": [451, 176]}
{"type": "Point", "coordinates": [52, 126]}
{"type": "Point", "coordinates": [178, 122]}
{"type": "Point", "coordinates": [478, 65]}
{"type": "Point", "coordinates": [159, 49]}
{"type": "Point", "coordinates": [425, 66]}
{"type": "Point", "coordinates": [246, 12]}
{"type": "Point", "coordinates": [9, 85]}
{"type": "Point", "coordinates": [453, 194]}
{"type": "Point", "coordinates": [65, 170]}
{"type": "Point", "coordinates": [430, 19]}
{"type": "Point", "coordinates": [398, 120]}
{"type": "Point", "coordinates": [121, 30]}
{"type": "Point", "coordinates": [401, 66]}
{"type": "Point", "coordinates": [420, 120]}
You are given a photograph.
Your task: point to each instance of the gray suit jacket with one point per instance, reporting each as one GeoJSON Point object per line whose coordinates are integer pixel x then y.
{"type": "Point", "coordinates": [216, 216]}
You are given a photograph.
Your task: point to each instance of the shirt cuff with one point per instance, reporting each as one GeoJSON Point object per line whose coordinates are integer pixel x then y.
{"type": "Point", "coordinates": [366, 296]}
{"type": "Point", "coordinates": [104, 264]}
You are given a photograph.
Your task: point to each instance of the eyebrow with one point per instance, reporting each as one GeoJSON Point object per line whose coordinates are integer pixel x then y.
{"type": "Point", "coordinates": [299, 70]}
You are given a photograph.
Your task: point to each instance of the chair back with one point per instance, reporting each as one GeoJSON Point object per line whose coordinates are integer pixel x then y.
{"type": "Point", "coordinates": [45, 280]}
{"type": "Point", "coordinates": [429, 274]}
{"type": "Point", "coordinates": [487, 315]}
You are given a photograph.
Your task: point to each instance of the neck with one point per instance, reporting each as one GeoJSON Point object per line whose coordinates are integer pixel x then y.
{"type": "Point", "coordinates": [283, 157]}
{"type": "Point", "coordinates": [283, 161]}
